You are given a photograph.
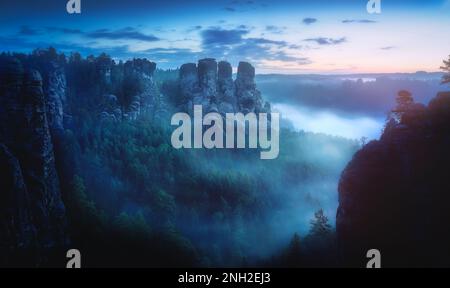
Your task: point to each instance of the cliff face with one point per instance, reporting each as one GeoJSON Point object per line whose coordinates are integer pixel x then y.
{"type": "Point", "coordinates": [211, 85]}
{"type": "Point", "coordinates": [55, 91]}
{"type": "Point", "coordinates": [147, 100]}
{"type": "Point", "coordinates": [32, 214]}
{"type": "Point", "coordinates": [394, 194]}
{"type": "Point", "coordinates": [54, 85]}
{"type": "Point", "coordinates": [37, 94]}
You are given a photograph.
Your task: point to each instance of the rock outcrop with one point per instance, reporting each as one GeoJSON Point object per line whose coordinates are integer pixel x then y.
{"type": "Point", "coordinates": [55, 91]}
{"type": "Point", "coordinates": [394, 194]}
{"type": "Point", "coordinates": [248, 97]}
{"type": "Point", "coordinates": [189, 88]}
{"type": "Point", "coordinates": [135, 79]}
{"type": "Point", "coordinates": [52, 70]}
{"type": "Point", "coordinates": [225, 86]}
{"type": "Point", "coordinates": [149, 99]}
{"type": "Point", "coordinates": [207, 77]}
{"type": "Point", "coordinates": [33, 209]}
{"type": "Point", "coordinates": [211, 85]}
{"type": "Point", "coordinates": [104, 64]}
{"type": "Point", "coordinates": [17, 229]}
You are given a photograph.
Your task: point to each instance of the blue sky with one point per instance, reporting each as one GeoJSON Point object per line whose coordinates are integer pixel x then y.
{"type": "Point", "coordinates": [276, 36]}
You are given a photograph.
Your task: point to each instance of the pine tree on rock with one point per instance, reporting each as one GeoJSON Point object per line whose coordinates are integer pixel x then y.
{"type": "Point", "coordinates": [446, 68]}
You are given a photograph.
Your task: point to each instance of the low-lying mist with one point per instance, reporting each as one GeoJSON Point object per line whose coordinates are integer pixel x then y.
{"type": "Point", "coordinates": [363, 95]}
{"type": "Point", "coordinates": [350, 106]}
{"type": "Point", "coordinates": [330, 122]}
{"type": "Point", "coordinates": [229, 205]}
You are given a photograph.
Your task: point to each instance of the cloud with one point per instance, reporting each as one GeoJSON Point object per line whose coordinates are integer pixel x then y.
{"type": "Point", "coordinates": [267, 41]}
{"type": "Point", "coordinates": [327, 41]}
{"type": "Point", "coordinates": [170, 57]}
{"type": "Point", "coordinates": [28, 31]}
{"type": "Point", "coordinates": [168, 50]}
{"type": "Point", "coordinates": [243, 27]}
{"type": "Point", "coordinates": [309, 20]}
{"type": "Point", "coordinates": [255, 52]}
{"type": "Point", "coordinates": [233, 46]}
{"type": "Point", "coordinates": [282, 56]}
{"type": "Point", "coordinates": [194, 28]}
{"type": "Point", "coordinates": [387, 48]}
{"type": "Point", "coordinates": [362, 21]}
{"type": "Point", "coordinates": [295, 46]}
{"type": "Point", "coordinates": [275, 29]}
{"type": "Point", "coordinates": [129, 33]}
{"type": "Point", "coordinates": [240, 6]}
{"type": "Point", "coordinates": [218, 36]}
{"type": "Point", "coordinates": [21, 44]}
{"type": "Point", "coordinates": [64, 30]}
{"type": "Point", "coordinates": [260, 51]}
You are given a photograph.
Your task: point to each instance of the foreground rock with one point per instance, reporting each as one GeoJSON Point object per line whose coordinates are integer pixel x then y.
{"type": "Point", "coordinates": [394, 194]}
{"type": "Point", "coordinates": [32, 214]}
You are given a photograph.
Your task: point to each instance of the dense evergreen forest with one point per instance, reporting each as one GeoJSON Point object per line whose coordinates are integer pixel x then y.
{"type": "Point", "coordinates": [127, 190]}
{"type": "Point", "coordinates": [131, 199]}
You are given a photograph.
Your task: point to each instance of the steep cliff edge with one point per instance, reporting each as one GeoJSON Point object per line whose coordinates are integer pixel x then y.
{"type": "Point", "coordinates": [394, 194]}
{"type": "Point", "coordinates": [32, 214]}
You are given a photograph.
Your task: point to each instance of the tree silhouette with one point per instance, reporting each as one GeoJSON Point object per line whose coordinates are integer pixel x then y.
{"type": "Point", "coordinates": [319, 244]}
{"type": "Point", "coordinates": [404, 100]}
{"type": "Point", "coordinates": [446, 68]}
{"type": "Point", "coordinates": [294, 247]}
{"type": "Point", "coordinates": [293, 255]}
{"type": "Point", "coordinates": [320, 226]}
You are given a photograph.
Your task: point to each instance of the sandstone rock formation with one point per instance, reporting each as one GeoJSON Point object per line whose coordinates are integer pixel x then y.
{"type": "Point", "coordinates": [248, 97]}
{"type": "Point", "coordinates": [33, 214]}
{"type": "Point", "coordinates": [207, 80]}
{"type": "Point", "coordinates": [211, 85]}
{"type": "Point", "coordinates": [225, 92]}
{"type": "Point", "coordinates": [149, 100]}
{"type": "Point", "coordinates": [16, 224]}
{"type": "Point", "coordinates": [52, 70]}
{"type": "Point", "coordinates": [189, 84]}
{"type": "Point", "coordinates": [135, 79]}
{"type": "Point", "coordinates": [394, 194]}
{"type": "Point", "coordinates": [55, 91]}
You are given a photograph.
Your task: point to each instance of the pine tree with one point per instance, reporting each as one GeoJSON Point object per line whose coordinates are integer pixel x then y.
{"type": "Point", "coordinates": [320, 226]}
{"type": "Point", "coordinates": [404, 98]}
{"type": "Point", "coordinates": [446, 68]}
{"type": "Point", "coordinates": [404, 101]}
{"type": "Point", "coordinates": [293, 256]}
{"type": "Point", "coordinates": [320, 243]}
{"type": "Point", "coordinates": [320, 234]}
{"type": "Point", "coordinates": [294, 247]}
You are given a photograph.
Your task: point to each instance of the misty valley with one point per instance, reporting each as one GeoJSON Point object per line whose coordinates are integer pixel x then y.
{"type": "Point", "coordinates": [97, 133]}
